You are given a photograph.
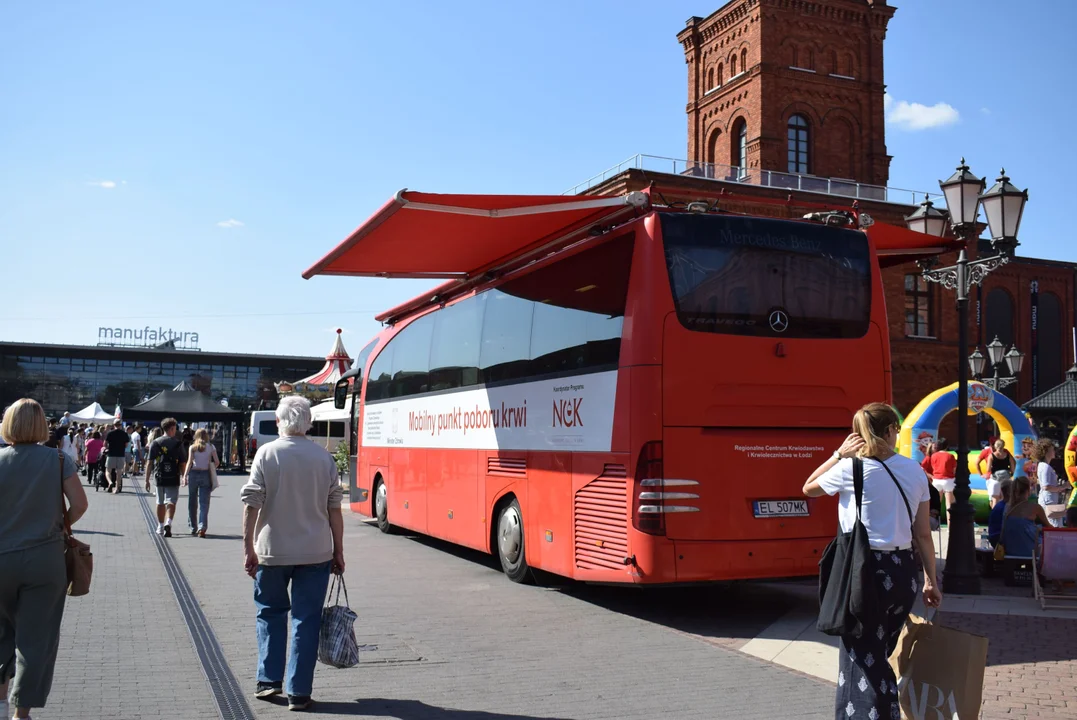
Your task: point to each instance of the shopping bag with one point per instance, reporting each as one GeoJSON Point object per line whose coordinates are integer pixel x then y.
{"type": "Point", "coordinates": [940, 671]}
{"type": "Point", "coordinates": [336, 641]}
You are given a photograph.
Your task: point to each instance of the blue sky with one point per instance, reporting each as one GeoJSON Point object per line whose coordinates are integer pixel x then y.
{"type": "Point", "coordinates": [180, 164]}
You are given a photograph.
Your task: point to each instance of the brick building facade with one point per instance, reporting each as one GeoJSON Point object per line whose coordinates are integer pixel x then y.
{"type": "Point", "coordinates": [785, 101]}
{"type": "Point", "coordinates": [759, 70]}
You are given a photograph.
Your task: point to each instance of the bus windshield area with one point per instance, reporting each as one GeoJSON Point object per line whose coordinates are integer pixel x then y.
{"type": "Point", "coordinates": [767, 278]}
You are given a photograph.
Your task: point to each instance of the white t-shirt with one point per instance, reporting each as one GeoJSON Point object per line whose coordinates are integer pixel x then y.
{"type": "Point", "coordinates": [136, 441]}
{"type": "Point", "coordinates": [1047, 476]}
{"type": "Point", "coordinates": [882, 510]}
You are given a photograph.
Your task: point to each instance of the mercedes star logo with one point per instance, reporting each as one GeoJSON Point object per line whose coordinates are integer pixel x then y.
{"type": "Point", "coordinates": [779, 321]}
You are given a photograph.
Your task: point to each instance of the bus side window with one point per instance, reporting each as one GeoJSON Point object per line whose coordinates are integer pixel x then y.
{"type": "Point", "coordinates": [381, 374]}
{"type": "Point", "coordinates": [411, 358]}
{"type": "Point", "coordinates": [454, 351]}
{"type": "Point", "coordinates": [505, 352]}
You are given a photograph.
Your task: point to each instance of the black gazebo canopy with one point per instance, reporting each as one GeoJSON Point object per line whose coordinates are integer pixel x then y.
{"type": "Point", "coordinates": [187, 406]}
{"type": "Point", "coordinates": [1055, 411]}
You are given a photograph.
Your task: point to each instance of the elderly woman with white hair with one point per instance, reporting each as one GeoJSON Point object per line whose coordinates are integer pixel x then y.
{"type": "Point", "coordinates": [293, 537]}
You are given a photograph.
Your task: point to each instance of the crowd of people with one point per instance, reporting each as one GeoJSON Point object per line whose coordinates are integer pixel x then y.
{"type": "Point", "coordinates": [1047, 482]}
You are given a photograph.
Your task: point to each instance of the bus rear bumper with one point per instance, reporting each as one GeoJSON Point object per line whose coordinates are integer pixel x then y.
{"type": "Point", "coordinates": [702, 561]}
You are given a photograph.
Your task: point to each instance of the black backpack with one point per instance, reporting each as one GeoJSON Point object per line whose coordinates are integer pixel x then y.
{"type": "Point", "coordinates": [168, 462]}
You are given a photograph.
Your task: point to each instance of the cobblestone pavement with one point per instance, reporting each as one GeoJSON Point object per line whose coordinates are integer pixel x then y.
{"type": "Point", "coordinates": [1031, 664]}
{"type": "Point", "coordinates": [447, 636]}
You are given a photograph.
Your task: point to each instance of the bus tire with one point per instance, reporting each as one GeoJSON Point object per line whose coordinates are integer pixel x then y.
{"type": "Point", "coordinates": [381, 506]}
{"type": "Point", "coordinates": [510, 543]}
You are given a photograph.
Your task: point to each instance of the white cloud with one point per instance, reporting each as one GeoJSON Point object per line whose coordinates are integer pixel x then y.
{"type": "Point", "coordinates": [914, 116]}
{"type": "Point", "coordinates": [985, 110]}
{"type": "Point", "coordinates": [106, 184]}
{"type": "Point", "coordinates": [229, 223]}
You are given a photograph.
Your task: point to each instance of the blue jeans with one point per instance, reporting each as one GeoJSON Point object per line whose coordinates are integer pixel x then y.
{"type": "Point", "coordinates": [198, 492]}
{"type": "Point", "coordinates": [309, 583]}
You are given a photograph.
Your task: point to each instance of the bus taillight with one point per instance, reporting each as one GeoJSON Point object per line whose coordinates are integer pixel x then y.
{"type": "Point", "coordinates": [647, 514]}
{"type": "Point", "coordinates": [650, 501]}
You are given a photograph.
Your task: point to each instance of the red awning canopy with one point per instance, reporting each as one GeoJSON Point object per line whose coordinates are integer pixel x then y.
{"type": "Point", "coordinates": [895, 245]}
{"type": "Point", "coordinates": [426, 235]}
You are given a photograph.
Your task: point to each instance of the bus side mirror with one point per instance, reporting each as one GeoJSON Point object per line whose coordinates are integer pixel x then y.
{"type": "Point", "coordinates": [340, 395]}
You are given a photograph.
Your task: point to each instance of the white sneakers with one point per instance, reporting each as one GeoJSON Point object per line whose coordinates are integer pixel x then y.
{"type": "Point", "coordinates": [160, 529]}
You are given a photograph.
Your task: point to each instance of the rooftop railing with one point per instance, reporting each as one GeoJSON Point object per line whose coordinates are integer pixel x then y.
{"type": "Point", "coordinates": [760, 178]}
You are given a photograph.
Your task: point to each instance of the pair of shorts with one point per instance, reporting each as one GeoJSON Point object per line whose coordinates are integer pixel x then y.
{"type": "Point", "coordinates": [994, 483]}
{"type": "Point", "coordinates": [115, 463]}
{"type": "Point", "coordinates": [168, 495]}
{"type": "Point", "coordinates": [945, 485]}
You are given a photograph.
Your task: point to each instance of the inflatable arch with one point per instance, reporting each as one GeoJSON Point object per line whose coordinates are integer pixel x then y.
{"type": "Point", "coordinates": [922, 426]}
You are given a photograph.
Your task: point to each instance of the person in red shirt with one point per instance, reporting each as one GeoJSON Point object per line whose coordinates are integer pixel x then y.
{"type": "Point", "coordinates": [941, 467]}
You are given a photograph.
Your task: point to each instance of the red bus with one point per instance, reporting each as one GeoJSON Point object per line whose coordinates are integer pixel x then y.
{"type": "Point", "coordinates": [613, 391]}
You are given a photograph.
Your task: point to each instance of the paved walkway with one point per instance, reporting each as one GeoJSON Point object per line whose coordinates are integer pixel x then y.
{"type": "Point", "coordinates": [447, 636]}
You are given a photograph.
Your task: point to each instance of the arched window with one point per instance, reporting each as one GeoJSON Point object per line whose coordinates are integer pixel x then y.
{"type": "Point", "coordinates": [744, 60]}
{"type": "Point", "coordinates": [740, 148]}
{"type": "Point", "coordinates": [834, 63]}
{"type": "Point", "coordinates": [733, 66]}
{"type": "Point", "coordinates": [811, 60]}
{"type": "Point", "coordinates": [1049, 347]}
{"type": "Point", "coordinates": [799, 134]}
{"type": "Point", "coordinates": [721, 71]}
{"type": "Point", "coordinates": [710, 79]}
{"type": "Point", "coordinates": [796, 57]}
{"type": "Point", "coordinates": [712, 151]}
{"type": "Point", "coordinates": [998, 317]}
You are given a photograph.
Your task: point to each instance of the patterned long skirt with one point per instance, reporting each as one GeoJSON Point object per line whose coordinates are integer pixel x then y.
{"type": "Point", "coordinates": [867, 688]}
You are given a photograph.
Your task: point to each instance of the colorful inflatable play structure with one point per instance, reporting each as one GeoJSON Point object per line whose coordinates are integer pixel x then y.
{"type": "Point", "coordinates": [1071, 456]}
{"type": "Point", "coordinates": [921, 427]}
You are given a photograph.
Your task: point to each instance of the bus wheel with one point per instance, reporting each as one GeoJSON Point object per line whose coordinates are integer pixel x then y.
{"type": "Point", "coordinates": [381, 506]}
{"type": "Point", "coordinates": [510, 543]}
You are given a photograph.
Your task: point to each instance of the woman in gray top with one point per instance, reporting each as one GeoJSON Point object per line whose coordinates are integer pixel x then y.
{"type": "Point", "coordinates": [32, 554]}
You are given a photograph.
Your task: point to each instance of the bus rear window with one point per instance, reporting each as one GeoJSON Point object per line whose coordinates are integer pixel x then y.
{"type": "Point", "coordinates": [769, 278]}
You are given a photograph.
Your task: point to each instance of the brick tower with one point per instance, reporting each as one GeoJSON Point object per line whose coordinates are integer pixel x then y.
{"type": "Point", "coordinates": [789, 86]}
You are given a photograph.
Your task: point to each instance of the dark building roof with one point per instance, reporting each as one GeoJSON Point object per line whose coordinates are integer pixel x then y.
{"type": "Point", "coordinates": [151, 353]}
{"type": "Point", "coordinates": [1062, 397]}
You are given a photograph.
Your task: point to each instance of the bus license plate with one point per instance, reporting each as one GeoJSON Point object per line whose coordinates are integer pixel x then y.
{"type": "Point", "coordinates": [780, 508]}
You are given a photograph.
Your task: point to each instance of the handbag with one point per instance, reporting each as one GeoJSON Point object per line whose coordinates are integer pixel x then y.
{"type": "Point", "coordinates": [77, 556]}
{"type": "Point", "coordinates": [214, 483]}
{"type": "Point", "coordinates": [336, 640]}
{"type": "Point", "coordinates": [847, 597]}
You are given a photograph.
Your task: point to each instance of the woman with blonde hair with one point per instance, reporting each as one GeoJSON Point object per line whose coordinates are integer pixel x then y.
{"type": "Point", "coordinates": [34, 480]}
{"type": "Point", "coordinates": [1000, 467]}
{"type": "Point", "coordinates": [1051, 488]}
{"type": "Point", "coordinates": [200, 460]}
{"type": "Point", "coordinates": [895, 511]}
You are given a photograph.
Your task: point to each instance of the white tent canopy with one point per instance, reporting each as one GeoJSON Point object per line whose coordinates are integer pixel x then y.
{"type": "Point", "coordinates": [324, 411]}
{"type": "Point", "coordinates": [93, 414]}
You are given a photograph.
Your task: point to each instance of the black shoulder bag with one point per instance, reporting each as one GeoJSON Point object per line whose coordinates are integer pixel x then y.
{"type": "Point", "coordinates": [846, 575]}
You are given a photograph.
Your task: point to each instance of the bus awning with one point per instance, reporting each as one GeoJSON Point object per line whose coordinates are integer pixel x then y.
{"type": "Point", "coordinates": [896, 245]}
{"type": "Point", "coordinates": [426, 235]}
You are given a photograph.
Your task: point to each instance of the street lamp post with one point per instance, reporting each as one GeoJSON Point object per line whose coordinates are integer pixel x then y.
{"type": "Point", "coordinates": [1003, 205]}
{"type": "Point", "coordinates": [996, 355]}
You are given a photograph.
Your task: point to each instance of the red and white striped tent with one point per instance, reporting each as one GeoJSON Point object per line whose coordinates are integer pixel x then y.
{"type": "Point", "coordinates": [337, 363]}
